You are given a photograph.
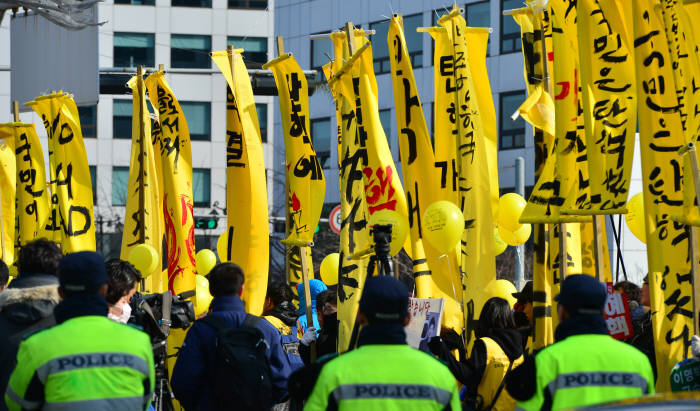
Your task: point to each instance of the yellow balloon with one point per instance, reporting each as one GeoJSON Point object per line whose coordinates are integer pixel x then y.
{"type": "Point", "coordinates": [517, 237]}
{"type": "Point", "coordinates": [510, 207]}
{"type": "Point", "coordinates": [502, 288]}
{"type": "Point", "coordinates": [399, 229]}
{"type": "Point", "coordinates": [222, 247]}
{"type": "Point", "coordinates": [204, 261]}
{"type": "Point", "coordinates": [329, 269]}
{"type": "Point", "coordinates": [499, 246]}
{"type": "Point", "coordinates": [635, 217]}
{"type": "Point", "coordinates": [145, 258]}
{"type": "Point", "coordinates": [443, 223]}
{"type": "Point", "coordinates": [202, 296]}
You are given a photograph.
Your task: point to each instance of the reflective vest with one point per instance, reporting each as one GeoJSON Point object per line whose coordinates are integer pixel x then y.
{"type": "Point", "coordinates": [496, 366]}
{"type": "Point", "coordinates": [588, 369]}
{"type": "Point", "coordinates": [283, 328]}
{"type": "Point", "coordinates": [384, 378]}
{"type": "Point", "coordinates": [85, 363]}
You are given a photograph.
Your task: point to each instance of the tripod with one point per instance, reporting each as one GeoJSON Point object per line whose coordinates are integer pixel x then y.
{"type": "Point", "coordinates": [381, 260]}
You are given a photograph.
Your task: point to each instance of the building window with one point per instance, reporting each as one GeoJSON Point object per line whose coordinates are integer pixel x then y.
{"type": "Point", "coordinates": [510, 31]}
{"type": "Point", "coordinates": [190, 51]}
{"type": "Point", "coordinates": [93, 179]}
{"type": "Point", "coordinates": [254, 48]}
{"type": "Point", "coordinates": [88, 120]}
{"type": "Point", "coordinates": [262, 120]}
{"type": "Point", "coordinates": [385, 119]}
{"type": "Point", "coordinates": [190, 3]}
{"type": "Point", "coordinates": [512, 133]}
{"type": "Point", "coordinates": [321, 53]}
{"type": "Point", "coordinates": [414, 43]}
{"type": "Point", "coordinates": [201, 187]}
{"type": "Point", "coordinates": [479, 15]}
{"type": "Point", "coordinates": [198, 116]}
{"type": "Point", "coordinates": [121, 118]}
{"type": "Point", "coordinates": [120, 185]}
{"type": "Point", "coordinates": [321, 138]}
{"type": "Point", "coordinates": [247, 4]}
{"type": "Point", "coordinates": [133, 49]}
{"type": "Point", "coordinates": [136, 2]}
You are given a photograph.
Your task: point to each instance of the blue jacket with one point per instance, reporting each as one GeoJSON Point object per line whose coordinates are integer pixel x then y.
{"type": "Point", "coordinates": [191, 379]}
{"type": "Point", "coordinates": [316, 287]}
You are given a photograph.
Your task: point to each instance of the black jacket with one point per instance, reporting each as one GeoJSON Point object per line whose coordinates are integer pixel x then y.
{"type": "Point", "coordinates": [643, 339]}
{"type": "Point", "coordinates": [26, 305]}
{"type": "Point", "coordinates": [470, 371]}
{"type": "Point", "coordinates": [327, 341]}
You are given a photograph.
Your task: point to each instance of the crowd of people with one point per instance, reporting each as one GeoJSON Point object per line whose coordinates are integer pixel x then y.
{"type": "Point", "coordinates": [64, 346]}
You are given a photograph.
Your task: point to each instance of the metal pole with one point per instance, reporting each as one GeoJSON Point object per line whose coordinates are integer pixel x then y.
{"type": "Point", "coordinates": [520, 250]}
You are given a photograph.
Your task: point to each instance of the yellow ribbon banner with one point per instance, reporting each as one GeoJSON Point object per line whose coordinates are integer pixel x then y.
{"type": "Point", "coordinates": [143, 165]}
{"type": "Point", "coordinates": [661, 135]}
{"type": "Point", "coordinates": [306, 186]}
{"type": "Point", "coordinates": [246, 188]}
{"type": "Point", "coordinates": [32, 193]}
{"type": "Point", "coordinates": [176, 160]}
{"type": "Point", "coordinates": [70, 174]}
{"type": "Point", "coordinates": [8, 176]}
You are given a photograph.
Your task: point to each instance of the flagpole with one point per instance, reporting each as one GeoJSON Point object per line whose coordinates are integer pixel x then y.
{"type": "Point", "coordinates": [693, 240]}
{"type": "Point", "coordinates": [141, 158]}
{"type": "Point", "coordinates": [280, 51]}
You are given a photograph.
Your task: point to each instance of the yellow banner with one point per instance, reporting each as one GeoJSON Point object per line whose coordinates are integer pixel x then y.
{"type": "Point", "coordinates": [477, 256]}
{"type": "Point", "coordinates": [609, 101]}
{"type": "Point", "coordinates": [661, 135]}
{"type": "Point", "coordinates": [432, 274]}
{"type": "Point", "coordinates": [176, 160]}
{"type": "Point", "coordinates": [32, 193]}
{"type": "Point", "coordinates": [71, 195]}
{"type": "Point", "coordinates": [8, 176]}
{"type": "Point", "coordinates": [143, 166]}
{"type": "Point", "coordinates": [306, 186]}
{"type": "Point", "coordinates": [246, 188]}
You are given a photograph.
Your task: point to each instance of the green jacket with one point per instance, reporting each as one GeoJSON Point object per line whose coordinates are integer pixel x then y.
{"type": "Point", "coordinates": [384, 378]}
{"type": "Point", "coordinates": [86, 363]}
{"type": "Point", "coordinates": [588, 369]}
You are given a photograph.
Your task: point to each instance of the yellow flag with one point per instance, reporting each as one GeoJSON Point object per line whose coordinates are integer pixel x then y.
{"type": "Point", "coordinates": [661, 135]}
{"type": "Point", "coordinates": [246, 187]}
{"type": "Point", "coordinates": [176, 160]}
{"type": "Point", "coordinates": [609, 101]}
{"type": "Point", "coordinates": [477, 256]}
{"type": "Point", "coordinates": [306, 186]}
{"type": "Point", "coordinates": [143, 165]}
{"type": "Point", "coordinates": [71, 196]}
{"type": "Point", "coordinates": [32, 193]}
{"type": "Point", "coordinates": [7, 186]}
{"type": "Point", "coordinates": [354, 235]}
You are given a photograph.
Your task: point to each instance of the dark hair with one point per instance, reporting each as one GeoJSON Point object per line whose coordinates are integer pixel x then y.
{"type": "Point", "coordinates": [326, 296]}
{"type": "Point", "coordinates": [4, 274]}
{"type": "Point", "coordinates": [632, 290]}
{"type": "Point", "coordinates": [121, 278]}
{"type": "Point", "coordinates": [495, 314]}
{"type": "Point", "coordinates": [40, 257]}
{"type": "Point", "coordinates": [279, 292]}
{"type": "Point", "coordinates": [225, 279]}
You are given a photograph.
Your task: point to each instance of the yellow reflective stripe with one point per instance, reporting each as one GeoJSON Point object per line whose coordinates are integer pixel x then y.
{"type": "Point", "coordinates": [26, 405]}
{"type": "Point", "coordinates": [92, 360]}
{"type": "Point", "coordinates": [393, 391]}
{"type": "Point", "coordinates": [102, 404]}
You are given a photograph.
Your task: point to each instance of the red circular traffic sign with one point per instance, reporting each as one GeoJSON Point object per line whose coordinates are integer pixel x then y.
{"type": "Point", "coordinates": [335, 220]}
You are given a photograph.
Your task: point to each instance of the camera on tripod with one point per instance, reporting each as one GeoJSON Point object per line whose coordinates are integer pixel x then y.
{"type": "Point", "coordinates": [381, 260]}
{"type": "Point", "coordinates": [147, 312]}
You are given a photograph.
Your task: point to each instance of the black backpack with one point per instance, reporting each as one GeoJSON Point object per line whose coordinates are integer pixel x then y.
{"type": "Point", "coordinates": [241, 378]}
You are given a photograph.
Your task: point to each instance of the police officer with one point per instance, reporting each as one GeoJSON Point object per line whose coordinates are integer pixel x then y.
{"type": "Point", "coordinates": [585, 366]}
{"type": "Point", "coordinates": [86, 362]}
{"type": "Point", "coordinates": [384, 373]}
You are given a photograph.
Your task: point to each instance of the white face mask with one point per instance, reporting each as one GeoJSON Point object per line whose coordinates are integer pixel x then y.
{"type": "Point", "coordinates": [126, 313]}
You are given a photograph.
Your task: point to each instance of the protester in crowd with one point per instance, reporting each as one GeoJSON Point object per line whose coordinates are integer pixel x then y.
{"type": "Point", "coordinates": [4, 275]}
{"type": "Point", "coordinates": [86, 361]}
{"type": "Point", "coordinates": [315, 288]}
{"type": "Point", "coordinates": [327, 315]}
{"type": "Point", "coordinates": [384, 371]}
{"type": "Point", "coordinates": [634, 299]}
{"type": "Point", "coordinates": [279, 309]}
{"type": "Point", "coordinates": [522, 315]}
{"type": "Point", "coordinates": [585, 366]}
{"type": "Point", "coordinates": [643, 338]}
{"type": "Point", "coordinates": [497, 350]}
{"type": "Point", "coordinates": [197, 367]}
{"type": "Point", "coordinates": [28, 303]}
{"type": "Point", "coordinates": [122, 281]}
